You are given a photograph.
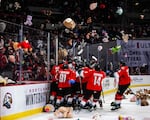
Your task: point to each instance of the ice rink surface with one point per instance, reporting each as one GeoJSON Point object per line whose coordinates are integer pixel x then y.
{"type": "Point", "coordinates": [128, 109]}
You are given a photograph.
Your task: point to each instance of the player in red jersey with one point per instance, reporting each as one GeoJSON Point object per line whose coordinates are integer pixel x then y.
{"type": "Point", "coordinates": [82, 79]}
{"type": "Point", "coordinates": [54, 83]}
{"type": "Point", "coordinates": [93, 87]}
{"type": "Point", "coordinates": [123, 79]}
{"type": "Point", "coordinates": [79, 87]}
{"type": "Point", "coordinates": [66, 77]}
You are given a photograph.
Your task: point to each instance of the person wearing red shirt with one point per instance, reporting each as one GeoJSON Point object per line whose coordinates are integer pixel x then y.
{"type": "Point", "coordinates": [86, 69]}
{"type": "Point", "coordinates": [79, 88]}
{"type": "Point", "coordinates": [66, 77]}
{"type": "Point", "coordinates": [93, 87]}
{"type": "Point", "coordinates": [123, 79]}
{"type": "Point", "coordinates": [54, 83]}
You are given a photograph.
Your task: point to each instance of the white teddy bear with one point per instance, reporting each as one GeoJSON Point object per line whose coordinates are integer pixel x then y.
{"type": "Point", "coordinates": [6, 80]}
{"type": "Point", "coordinates": [28, 20]}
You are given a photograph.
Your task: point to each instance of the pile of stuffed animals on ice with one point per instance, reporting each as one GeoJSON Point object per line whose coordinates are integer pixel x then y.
{"type": "Point", "coordinates": [141, 96]}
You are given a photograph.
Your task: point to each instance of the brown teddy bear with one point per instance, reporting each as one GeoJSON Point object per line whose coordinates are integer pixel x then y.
{"type": "Point", "coordinates": [62, 54]}
{"type": "Point", "coordinates": [64, 112]}
{"type": "Point", "coordinates": [142, 97]}
{"type": "Point", "coordinates": [69, 23]}
{"type": "Point", "coordinates": [144, 101]}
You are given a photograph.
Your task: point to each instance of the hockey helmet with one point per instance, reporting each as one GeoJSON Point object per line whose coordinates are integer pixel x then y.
{"type": "Point", "coordinates": [97, 67]}
{"type": "Point", "coordinates": [65, 66]}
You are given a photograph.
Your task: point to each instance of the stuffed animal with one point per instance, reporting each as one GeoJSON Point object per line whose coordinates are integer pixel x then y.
{"type": "Point", "coordinates": [64, 112]}
{"type": "Point", "coordinates": [105, 36]}
{"type": "Point", "coordinates": [25, 45]}
{"type": "Point", "coordinates": [48, 108]}
{"type": "Point", "coordinates": [141, 98]}
{"type": "Point", "coordinates": [133, 99]}
{"type": "Point", "coordinates": [2, 26]}
{"type": "Point", "coordinates": [93, 6]}
{"type": "Point", "coordinates": [62, 54]}
{"type": "Point", "coordinates": [96, 117]}
{"type": "Point", "coordinates": [125, 37]}
{"type": "Point", "coordinates": [28, 20]}
{"type": "Point", "coordinates": [115, 49]}
{"type": "Point", "coordinates": [3, 80]}
{"type": "Point", "coordinates": [17, 5]}
{"type": "Point", "coordinates": [129, 91]}
{"type": "Point", "coordinates": [69, 23]}
{"type": "Point", "coordinates": [6, 80]}
{"type": "Point", "coordinates": [144, 101]}
{"type": "Point", "coordinates": [146, 91]}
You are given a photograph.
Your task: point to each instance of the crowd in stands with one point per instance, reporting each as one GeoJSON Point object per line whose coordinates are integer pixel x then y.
{"type": "Point", "coordinates": [34, 63]}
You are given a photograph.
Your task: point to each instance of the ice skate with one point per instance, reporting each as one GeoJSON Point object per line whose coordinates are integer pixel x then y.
{"type": "Point", "coordinates": [113, 104]}
{"type": "Point", "coordinates": [92, 108]}
{"type": "Point", "coordinates": [52, 102]}
{"type": "Point", "coordinates": [100, 103]}
{"type": "Point", "coordinates": [78, 108]}
{"type": "Point", "coordinates": [115, 107]}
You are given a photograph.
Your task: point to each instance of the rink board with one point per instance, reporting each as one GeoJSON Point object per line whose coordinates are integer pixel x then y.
{"type": "Point", "coordinates": [28, 99]}
{"type": "Point", "coordinates": [23, 100]}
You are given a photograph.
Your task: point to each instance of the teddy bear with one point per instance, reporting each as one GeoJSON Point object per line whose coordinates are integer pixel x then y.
{"type": "Point", "coordinates": [64, 112]}
{"type": "Point", "coordinates": [3, 80]}
{"type": "Point", "coordinates": [2, 26]}
{"type": "Point", "coordinates": [62, 54]}
{"type": "Point", "coordinates": [25, 45]}
{"type": "Point", "coordinates": [48, 108]}
{"type": "Point", "coordinates": [28, 20]}
{"type": "Point", "coordinates": [69, 23]}
{"type": "Point", "coordinates": [129, 91]}
{"type": "Point", "coordinates": [6, 80]}
{"type": "Point", "coordinates": [144, 101]}
{"type": "Point", "coordinates": [96, 116]}
{"type": "Point", "coordinates": [140, 98]}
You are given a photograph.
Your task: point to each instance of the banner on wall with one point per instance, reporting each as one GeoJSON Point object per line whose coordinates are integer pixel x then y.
{"type": "Point", "coordinates": [135, 52]}
{"type": "Point", "coordinates": [20, 98]}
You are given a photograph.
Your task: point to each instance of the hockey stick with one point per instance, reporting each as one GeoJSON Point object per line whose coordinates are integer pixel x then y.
{"type": "Point", "coordinates": [103, 96]}
{"type": "Point", "coordinates": [80, 81]}
{"type": "Point", "coordinates": [81, 90]}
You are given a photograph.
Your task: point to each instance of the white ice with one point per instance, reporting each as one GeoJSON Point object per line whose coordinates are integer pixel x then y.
{"type": "Point", "coordinates": [128, 109]}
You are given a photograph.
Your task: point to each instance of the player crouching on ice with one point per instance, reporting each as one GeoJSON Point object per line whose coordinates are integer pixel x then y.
{"type": "Point", "coordinates": [123, 79]}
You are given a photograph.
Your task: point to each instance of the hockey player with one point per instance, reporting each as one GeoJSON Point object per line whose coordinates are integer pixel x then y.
{"type": "Point", "coordinates": [86, 69]}
{"type": "Point", "coordinates": [66, 77]}
{"type": "Point", "coordinates": [54, 83]}
{"type": "Point", "coordinates": [79, 87]}
{"type": "Point", "coordinates": [123, 80]}
{"type": "Point", "coordinates": [93, 87]}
